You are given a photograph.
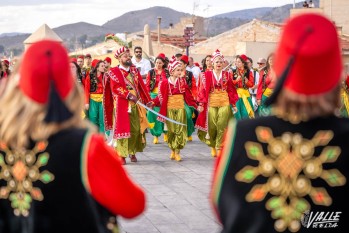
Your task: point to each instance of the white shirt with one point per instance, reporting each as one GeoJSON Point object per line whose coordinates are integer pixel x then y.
{"type": "Point", "coordinates": [256, 80]}
{"type": "Point", "coordinates": [124, 68]}
{"type": "Point", "coordinates": [196, 71]}
{"type": "Point", "coordinates": [219, 77]}
{"type": "Point", "coordinates": [143, 64]}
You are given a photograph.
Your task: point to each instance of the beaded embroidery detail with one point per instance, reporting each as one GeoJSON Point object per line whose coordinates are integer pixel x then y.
{"type": "Point", "coordinates": [290, 165]}
{"type": "Point", "coordinates": [20, 169]}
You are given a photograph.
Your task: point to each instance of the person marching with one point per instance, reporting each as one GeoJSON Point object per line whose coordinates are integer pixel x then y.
{"type": "Point", "coordinates": [174, 92]}
{"type": "Point", "coordinates": [154, 77]}
{"type": "Point", "coordinates": [191, 82]}
{"type": "Point", "coordinates": [243, 80]}
{"type": "Point", "coordinates": [266, 86]}
{"type": "Point", "coordinates": [344, 110]}
{"type": "Point", "coordinates": [124, 85]}
{"type": "Point", "coordinates": [94, 94]}
{"type": "Point", "coordinates": [217, 96]}
{"type": "Point", "coordinates": [277, 173]}
{"type": "Point", "coordinates": [56, 172]}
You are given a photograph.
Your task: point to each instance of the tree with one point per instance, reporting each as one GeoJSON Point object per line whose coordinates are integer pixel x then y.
{"type": "Point", "coordinates": [82, 40]}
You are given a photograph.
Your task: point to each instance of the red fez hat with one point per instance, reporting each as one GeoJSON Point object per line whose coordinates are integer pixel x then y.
{"type": "Point", "coordinates": [94, 63]}
{"type": "Point", "coordinates": [45, 77]}
{"type": "Point", "coordinates": [305, 76]}
{"type": "Point", "coordinates": [88, 55]}
{"type": "Point", "coordinates": [6, 62]}
{"type": "Point", "coordinates": [73, 59]}
{"type": "Point", "coordinates": [185, 59]}
{"type": "Point", "coordinates": [43, 62]}
{"type": "Point", "coordinates": [243, 57]}
{"type": "Point", "coordinates": [121, 51]}
{"type": "Point", "coordinates": [300, 52]}
{"type": "Point", "coordinates": [108, 59]}
{"type": "Point", "coordinates": [162, 56]}
{"type": "Point", "coordinates": [81, 56]}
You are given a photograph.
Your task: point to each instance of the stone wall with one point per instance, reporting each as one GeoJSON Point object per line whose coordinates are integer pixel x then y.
{"type": "Point", "coordinates": [337, 10]}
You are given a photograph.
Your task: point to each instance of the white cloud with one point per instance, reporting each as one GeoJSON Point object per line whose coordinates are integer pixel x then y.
{"type": "Point", "coordinates": [28, 15]}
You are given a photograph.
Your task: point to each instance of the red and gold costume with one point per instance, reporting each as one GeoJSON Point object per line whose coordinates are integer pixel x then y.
{"type": "Point", "coordinates": [94, 97]}
{"type": "Point", "coordinates": [266, 84]}
{"type": "Point", "coordinates": [244, 104]}
{"type": "Point", "coordinates": [345, 98]}
{"type": "Point", "coordinates": [172, 98]}
{"type": "Point", "coordinates": [210, 85]}
{"type": "Point", "coordinates": [216, 96]}
{"type": "Point", "coordinates": [152, 84]}
{"type": "Point", "coordinates": [265, 88]}
{"type": "Point", "coordinates": [118, 84]}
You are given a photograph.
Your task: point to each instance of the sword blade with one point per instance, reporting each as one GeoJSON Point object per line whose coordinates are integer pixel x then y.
{"type": "Point", "coordinates": [160, 115]}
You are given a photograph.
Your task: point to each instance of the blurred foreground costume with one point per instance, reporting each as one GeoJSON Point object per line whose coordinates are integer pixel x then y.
{"type": "Point", "coordinates": [55, 174]}
{"type": "Point", "coordinates": [274, 170]}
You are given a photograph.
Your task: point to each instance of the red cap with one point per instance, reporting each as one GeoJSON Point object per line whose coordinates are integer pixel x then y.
{"type": "Point", "coordinates": [88, 55]}
{"type": "Point", "coordinates": [108, 59]}
{"type": "Point", "coordinates": [6, 62]}
{"type": "Point", "coordinates": [243, 57]}
{"type": "Point", "coordinates": [73, 59]}
{"type": "Point", "coordinates": [313, 41]}
{"type": "Point", "coordinates": [94, 63]}
{"type": "Point", "coordinates": [45, 61]}
{"type": "Point", "coordinates": [81, 56]}
{"type": "Point", "coordinates": [162, 56]}
{"type": "Point", "coordinates": [185, 59]}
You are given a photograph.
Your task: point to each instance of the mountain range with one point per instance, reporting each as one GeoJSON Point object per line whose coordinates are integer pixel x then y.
{"type": "Point", "coordinates": [134, 21]}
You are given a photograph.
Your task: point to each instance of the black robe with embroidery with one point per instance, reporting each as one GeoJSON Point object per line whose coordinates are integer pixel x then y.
{"type": "Point", "coordinates": [66, 207]}
{"type": "Point", "coordinates": [230, 189]}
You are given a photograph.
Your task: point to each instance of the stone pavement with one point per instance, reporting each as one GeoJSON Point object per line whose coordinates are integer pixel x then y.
{"type": "Point", "coordinates": [177, 192]}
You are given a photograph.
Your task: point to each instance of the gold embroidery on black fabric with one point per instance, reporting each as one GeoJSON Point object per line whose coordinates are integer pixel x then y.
{"type": "Point", "coordinates": [20, 168]}
{"type": "Point", "coordinates": [290, 165]}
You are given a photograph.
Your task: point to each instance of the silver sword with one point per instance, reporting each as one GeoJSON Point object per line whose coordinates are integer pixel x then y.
{"type": "Point", "coordinates": [160, 115]}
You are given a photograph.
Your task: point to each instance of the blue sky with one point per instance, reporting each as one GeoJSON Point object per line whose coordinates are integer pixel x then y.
{"type": "Point", "coordinates": [28, 15]}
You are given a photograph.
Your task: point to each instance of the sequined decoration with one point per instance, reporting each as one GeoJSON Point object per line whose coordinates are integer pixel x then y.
{"type": "Point", "coordinates": [20, 169]}
{"type": "Point", "coordinates": [290, 165]}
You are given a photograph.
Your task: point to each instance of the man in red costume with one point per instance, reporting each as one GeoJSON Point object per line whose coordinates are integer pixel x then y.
{"type": "Point", "coordinates": [124, 86]}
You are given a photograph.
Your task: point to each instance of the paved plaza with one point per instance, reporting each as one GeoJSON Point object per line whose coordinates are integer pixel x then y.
{"type": "Point", "coordinates": [177, 192]}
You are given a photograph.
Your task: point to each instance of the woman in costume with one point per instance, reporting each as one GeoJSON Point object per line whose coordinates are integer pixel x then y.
{"type": "Point", "coordinates": [344, 110]}
{"type": "Point", "coordinates": [191, 82]}
{"type": "Point", "coordinates": [56, 172]}
{"type": "Point", "coordinates": [217, 96]}
{"type": "Point", "coordinates": [174, 93]}
{"type": "Point", "coordinates": [94, 94]}
{"type": "Point", "coordinates": [266, 86]}
{"type": "Point", "coordinates": [243, 80]}
{"type": "Point", "coordinates": [155, 76]}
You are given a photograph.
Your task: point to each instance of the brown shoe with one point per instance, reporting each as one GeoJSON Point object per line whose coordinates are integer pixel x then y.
{"type": "Point", "coordinates": [123, 160]}
{"type": "Point", "coordinates": [133, 158]}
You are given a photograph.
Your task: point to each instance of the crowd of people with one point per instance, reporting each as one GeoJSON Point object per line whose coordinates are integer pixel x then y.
{"type": "Point", "coordinates": [48, 103]}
